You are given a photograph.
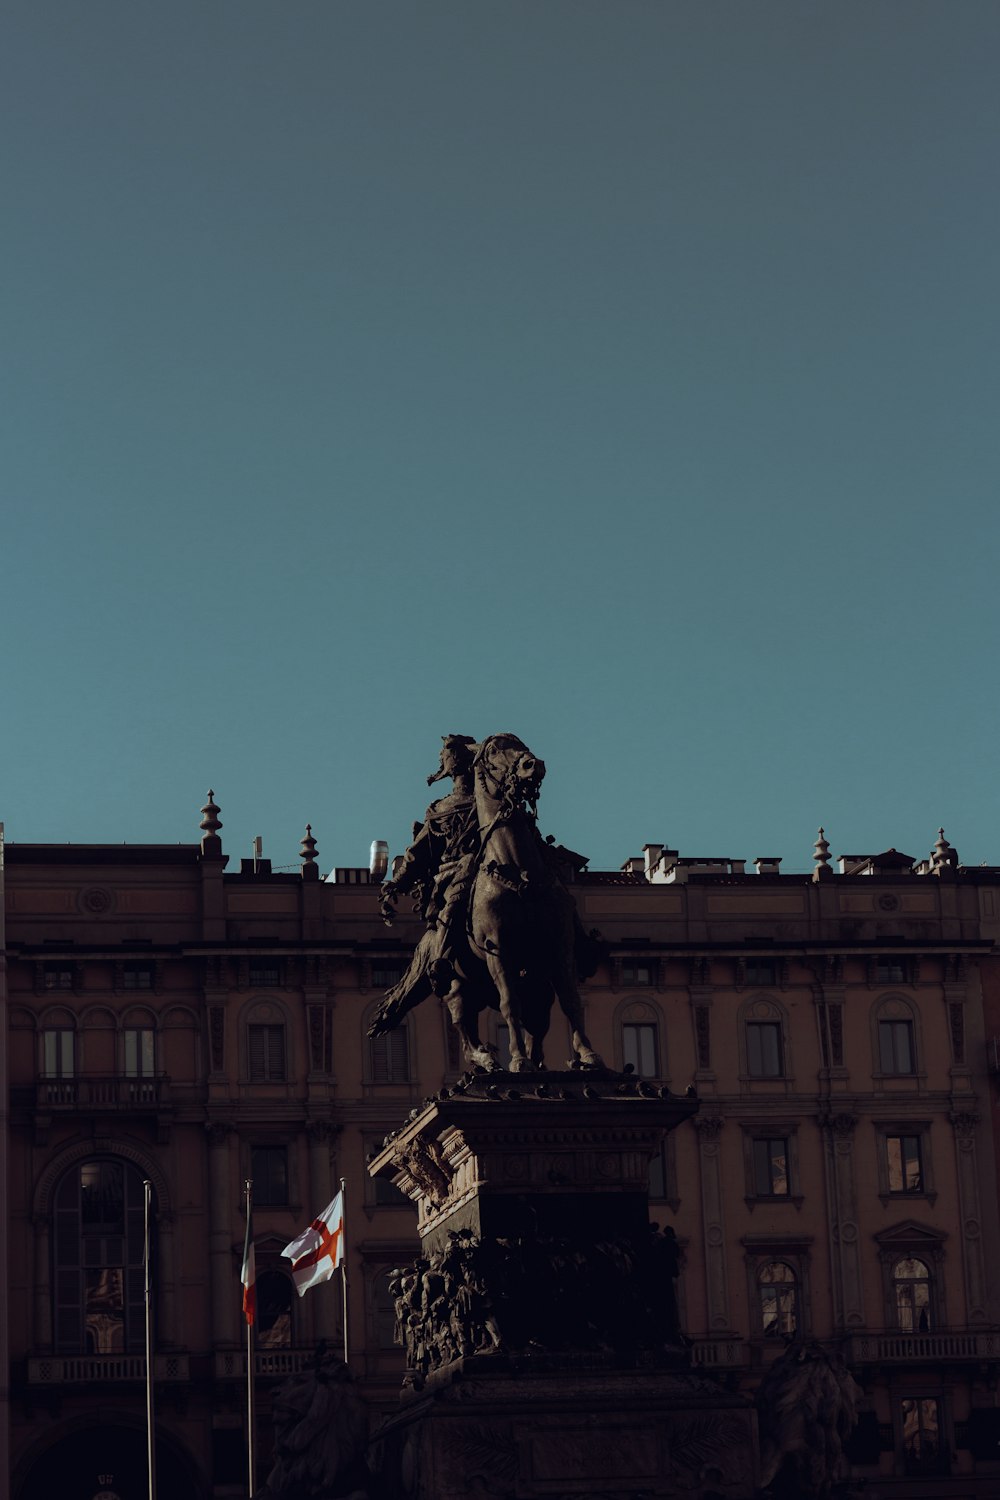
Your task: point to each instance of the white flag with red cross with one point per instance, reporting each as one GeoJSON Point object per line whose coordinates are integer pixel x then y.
{"type": "Point", "coordinates": [319, 1250]}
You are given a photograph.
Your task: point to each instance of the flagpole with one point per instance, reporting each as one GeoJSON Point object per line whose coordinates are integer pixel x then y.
{"type": "Point", "coordinates": [343, 1264]}
{"type": "Point", "coordinates": [148, 1294]}
{"type": "Point", "coordinates": [251, 1457]}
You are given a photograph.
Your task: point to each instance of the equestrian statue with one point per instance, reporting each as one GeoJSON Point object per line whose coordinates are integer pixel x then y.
{"type": "Point", "coordinates": [502, 930]}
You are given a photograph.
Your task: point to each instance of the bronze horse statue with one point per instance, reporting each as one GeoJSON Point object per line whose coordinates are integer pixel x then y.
{"type": "Point", "coordinates": [503, 930]}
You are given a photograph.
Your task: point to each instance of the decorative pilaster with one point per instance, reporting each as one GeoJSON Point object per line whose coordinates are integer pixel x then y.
{"type": "Point", "coordinates": [842, 1198]}
{"type": "Point", "coordinates": [709, 1128]}
{"type": "Point", "coordinates": [319, 1134]}
{"type": "Point", "coordinates": [965, 1124]}
{"type": "Point", "coordinates": [166, 1293]}
{"type": "Point", "coordinates": [220, 1237]}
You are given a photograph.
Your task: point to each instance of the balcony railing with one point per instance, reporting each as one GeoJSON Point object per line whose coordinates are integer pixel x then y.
{"type": "Point", "coordinates": [915, 1348]}
{"type": "Point", "coordinates": [231, 1364]}
{"type": "Point", "coordinates": [100, 1093]}
{"type": "Point", "coordinates": [719, 1354]}
{"type": "Point", "coordinates": [104, 1369]}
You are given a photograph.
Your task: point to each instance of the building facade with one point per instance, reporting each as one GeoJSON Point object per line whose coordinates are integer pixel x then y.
{"type": "Point", "coordinates": [174, 1021]}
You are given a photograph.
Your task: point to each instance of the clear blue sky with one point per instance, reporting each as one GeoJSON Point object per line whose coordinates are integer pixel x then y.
{"type": "Point", "coordinates": [621, 374]}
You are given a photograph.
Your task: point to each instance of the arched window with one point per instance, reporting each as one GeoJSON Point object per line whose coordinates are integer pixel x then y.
{"type": "Point", "coordinates": [640, 1039]}
{"type": "Point", "coordinates": [894, 1037]}
{"type": "Point", "coordinates": [777, 1290]}
{"type": "Point", "coordinates": [98, 1250]}
{"type": "Point", "coordinates": [57, 1058]}
{"type": "Point", "coordinates": [911, 1280]}
{"type": "Point", "coordinates": [389, 1057]}
{"type": "Point", "coordinates": [274, 1311]}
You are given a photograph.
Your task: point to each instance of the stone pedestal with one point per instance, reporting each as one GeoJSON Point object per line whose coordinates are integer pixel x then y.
{"type": "Point", "coordinates": [571, 1431]}
{"type": "Point", "coordinates": [544, 1356]}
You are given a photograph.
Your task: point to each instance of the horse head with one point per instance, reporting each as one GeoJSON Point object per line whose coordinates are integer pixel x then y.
{"type": "Point", "coordinates": [507, 772]}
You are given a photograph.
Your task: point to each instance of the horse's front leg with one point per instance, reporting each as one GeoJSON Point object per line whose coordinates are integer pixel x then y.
{"type": "Point", "coordinates": [466, 1022]}
{"type": "Point", "coordinates": [520, 1062]}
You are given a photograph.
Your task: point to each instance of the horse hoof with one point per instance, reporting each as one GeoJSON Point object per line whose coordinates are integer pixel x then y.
{"type": "Point", "coordinates": [522, 1065]}
{"type": "Point", "coordinates": [590, 1059]}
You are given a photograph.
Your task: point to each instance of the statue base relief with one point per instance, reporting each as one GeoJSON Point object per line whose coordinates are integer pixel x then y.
{"type": "Point", "coordinates": [543, 1348]}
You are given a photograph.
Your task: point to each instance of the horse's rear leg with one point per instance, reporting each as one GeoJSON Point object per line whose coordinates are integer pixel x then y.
{"type": "Point", "coordinates": [572, 1007]}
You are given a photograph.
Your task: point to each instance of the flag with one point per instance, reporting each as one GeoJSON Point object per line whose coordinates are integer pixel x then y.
{"type": "Point", "coordinates": [248, 1275]}
{"type": "Point", "coordinates": [319, 1250]}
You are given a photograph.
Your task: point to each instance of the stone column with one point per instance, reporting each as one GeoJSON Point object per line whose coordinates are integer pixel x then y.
{"type": "Point", "coordinates": [842, 1201]}
{"type": "Point", "coordinates": [220, 1235]}
{"type": "Point", "coordinates": [709, 1128]}
{"type": "Point", "coordinates": [969, 1216]}
{"type": "Point", "coordinates": [327, 1299]}
{"type": "Point", "coordinates": [43, 1286]}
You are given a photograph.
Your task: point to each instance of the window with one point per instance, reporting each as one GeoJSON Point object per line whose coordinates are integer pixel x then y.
{"type": "Point", "coordinates": [890, 971]}
{"type": "Point", "coordinates": [269, 1170]}
{"type": "Point", "coordinates": [760, 971]}
{"type": "Point", "coordinates": [137, 976]}
{"type": "Point", "coordinates": [386, 973]}
{"type": "Point", "coordinates": [57, 977]}
{"type": "Point", "coordinates": [390, 1057]}
{"type": "Point", "coordinates": [639, 1048]}
{"type": "Point", "coordinates": [57, 1052]}
{"type": "Point", "coordinates": [904, 1167]}
{"type": "Point", "coordinates": [266, 1047]}
{"type": "Point", "coordinates": [777, 1290]}
{"type": "Point", "coordinates": [770, 1167]}
{"type": "Point", "coordinates": [265, 973]}
{"type": "Point", "coordinates": [921, 1430]}
{"type": "Point", "coordinates": [895, 1045]}
{"type": "Point", "coordinates": [388, 1195]}
{"type": "Point", "coordinates": [140, 1052]}
{"type": "Point", "coordinates": [764, 1050]}
{"type": "Point", "coordinates": [658, 1174]}
{"type": "Point", "coordinates": [634, 972]}
{"type": "Point", "coordinates": [98, 1249]}
{"type": "Point", "coordinates": [383, 1312]}
{"type": "Point", "coordinates": [273, 1328]}
{"type": "Point", "coordinates": [911, 1280]}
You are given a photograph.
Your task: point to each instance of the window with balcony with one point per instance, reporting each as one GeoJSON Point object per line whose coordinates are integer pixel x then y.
{"type": "Point", "coordinates": [266, 1053]}
{"type": "Point", "coordinates": [912, 1285]}
{"type": "Point", "coordinates": [98, 1235]}
{"type": "Point", "coordinates": [778, 1296]}
{"type": "Point", "coordinates": [58, 1052]}
{"type": "Point", "coordinates": [269, 1171]}
{"type": "Point", "coordinates": [275, 1300]}
{"type": "Point", "coordinates": [139, 1044]}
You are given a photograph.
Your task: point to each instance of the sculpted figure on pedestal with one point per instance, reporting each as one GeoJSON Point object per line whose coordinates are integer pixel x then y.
{"type": "Point", "coordinates": [502, 929]}
{"type": "Point", "coordinates": [807, 1407]}
{"type": "Point", "coordinates": [320, 1435]}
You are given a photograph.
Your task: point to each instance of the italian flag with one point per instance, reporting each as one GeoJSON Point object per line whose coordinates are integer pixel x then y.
{"type": "Point", "coordinates": [248, 1275]}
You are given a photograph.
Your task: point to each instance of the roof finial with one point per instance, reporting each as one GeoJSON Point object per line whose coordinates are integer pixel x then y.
{"type": "Point", "coordinates": [943, 856]}
{"type": "Point", "coordinates": [210, 825]}
{"type": "Point", "coordinates": [307, 854]}
{"type": "Point", "coordinates": [821, 857]}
